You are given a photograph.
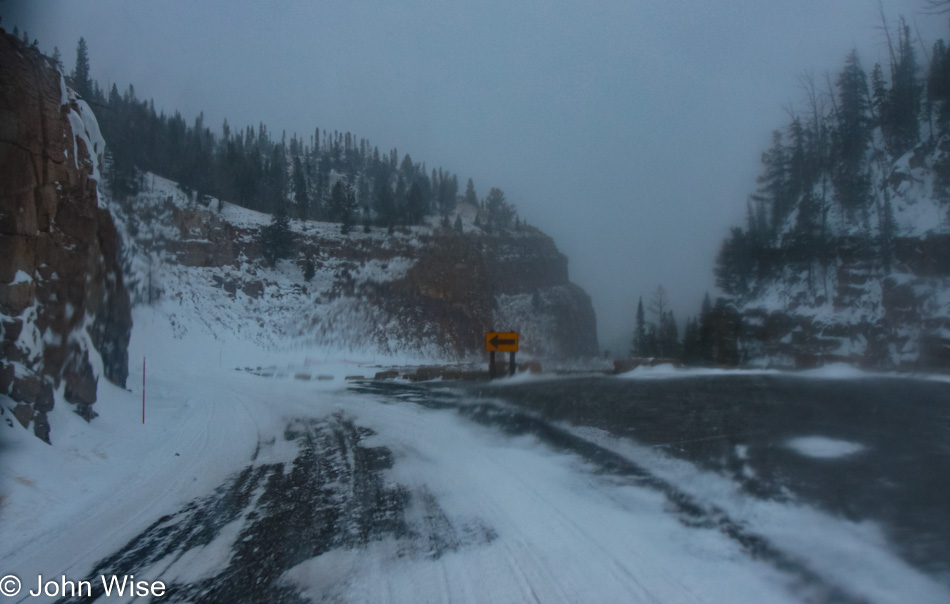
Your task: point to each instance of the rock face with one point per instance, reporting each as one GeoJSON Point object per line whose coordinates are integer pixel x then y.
{"type": "Point", "coordinates": [65, 315]}
{"type": "Point", "coordinates": [864, 303]}
{"type": "Point", "coordinates": [477, 283]}
{"type": "Point", "coordinates": [420, 291]}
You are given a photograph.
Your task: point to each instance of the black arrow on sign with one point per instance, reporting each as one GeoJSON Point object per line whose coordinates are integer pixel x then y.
{"type": "Point", "coordinates": [495, 342]}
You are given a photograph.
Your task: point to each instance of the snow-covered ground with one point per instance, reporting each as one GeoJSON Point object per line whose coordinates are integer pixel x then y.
{"type": "Point", "coordinates": [529, 523]}
{"type": "Point", "coordinates": [831, 371]}
{"type": "Point", "coordinates": [823, 447]}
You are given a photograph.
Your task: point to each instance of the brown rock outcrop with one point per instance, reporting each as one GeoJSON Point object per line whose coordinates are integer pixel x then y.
{"type": "Point", "coordinates": [62, 298]}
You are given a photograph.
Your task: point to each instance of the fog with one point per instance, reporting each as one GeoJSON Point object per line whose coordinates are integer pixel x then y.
{"type": "Point", "coordinates": [630, 131]}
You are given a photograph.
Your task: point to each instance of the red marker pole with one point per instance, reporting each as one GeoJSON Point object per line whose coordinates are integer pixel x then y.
{"type": "Point", "coordinates": [143, 390]}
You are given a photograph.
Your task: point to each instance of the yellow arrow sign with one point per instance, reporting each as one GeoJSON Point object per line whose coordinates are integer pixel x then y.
{"type": "Point", "coordinates": [503, 341]}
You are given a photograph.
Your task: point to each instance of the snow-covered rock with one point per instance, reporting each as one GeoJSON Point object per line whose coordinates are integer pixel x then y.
{"type": "Point", "coordinates": [64, 312]}
{"type": "Point", "coordinates": [422, 291]}
{"type": "Point", "coordinates": [862, 303]}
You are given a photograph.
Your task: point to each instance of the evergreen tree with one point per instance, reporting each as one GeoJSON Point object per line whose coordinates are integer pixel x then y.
{"type": "Point", "coordinates": [705, 329]}
{"type": "Point", "coordinates": [348, 210]}
{"type": "Point", "coordinates": [879, 95]}
{"type": "Point", "coordinates": [498, 209]}
{"type": "Point", "coordinates": [336, 205]}
{"type": "Point", "coordinates": [691, 343]}
{"type": "Point", "coordinates": [448, 190]}
{"type": "Point", "coordinates": [852, 135]}
{"type": "Point", "coordinates": [938, 84]}
{"type": "Point", "coordinates": [669, 345]}
{"type": "Point", "coordinates": [80, 75]}
{"type": "Point", "coordinates": [415, 204]}
{"type": "Point", "coordinates": [385, 205]}
{"type": "Point", "coordinates": [736, 265]}
{"type": "Point", "coordinates": [277, 238]}
{"type": "Point", "coordinates": [774, 184]}
{"type": "Point", "coordinates": [407, 168]}
{"type": "Point", "coordinates": [638, 347]}
{"type": "Point", "coordinates": [800, 176]}
{"type": "Point", "coordinates": [902, 117]}
{"type": "Point", "coordinates": [458, 223]}
{"type": "Point", "coordinates": [300, 190]}
{"type": "Point", "coordinates": [470, 197]}
{"type": "Point", "coordinates": [887, 233]}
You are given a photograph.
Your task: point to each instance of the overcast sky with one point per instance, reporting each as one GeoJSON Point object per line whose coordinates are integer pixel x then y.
{"type": "Point", "coordinates": [629, 130]}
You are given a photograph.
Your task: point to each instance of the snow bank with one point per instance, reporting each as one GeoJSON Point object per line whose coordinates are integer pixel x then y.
{"type": "Point", "coordinates": [668, 370]}
{"type": "Point", "coordinates": [822, 447]}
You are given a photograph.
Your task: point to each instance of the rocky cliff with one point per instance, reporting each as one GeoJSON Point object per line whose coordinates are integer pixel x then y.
{"type": "Point", "coordinates": [421, 291]}
{"type": "Point", "coordinates": [65, 314]}
{"type": "Point", "coordinates": [859, 297]}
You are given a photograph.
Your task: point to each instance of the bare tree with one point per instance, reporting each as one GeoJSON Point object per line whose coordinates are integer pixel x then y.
{"type": "Point", "coordinates": [887, 35]}
{"type": "Point", "coordinates": [937, 7]}
{"type": "Point", "coordinates": [659, 303]}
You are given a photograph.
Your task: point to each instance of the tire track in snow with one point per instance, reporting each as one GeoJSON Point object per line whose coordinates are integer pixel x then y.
{"type": "Point", "coordinates": [333, 496]}
{"type": "Point", "coordinates": [802, 578]}
{"type": "Point", "coordinates": [636, 590]}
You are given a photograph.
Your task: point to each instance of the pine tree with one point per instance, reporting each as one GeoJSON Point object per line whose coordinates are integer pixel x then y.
{"type": "Point", "coordinates": [669, 336]}
{"type": "Point", "coordinates": [738, 263]}
{"type": "Point", "coordinates": [879, 95]}
{"type": "Point", "coordinates": [903, 102]}
{"type": "Point", "coordinates": [498, 209]}
{"type": "Point", "coordinates": [336, 205]}
{"type": "Point", "coordinates": [348, 211]}
{"type": "Point", "coordinates": [385, 205]}
{"type": "Point", "coordinates": [470, 197]}
{"type": "Point", "coordinates": [852, 135]}
{"type": "Point", "coordinates": [887, 232]}
{"type": "Point", "coordinates": [705, 329]}
{"type": "Point", "coordinates": [458, 223]}
{"type": "Point", "coordinates": [415, 204]}
{"type": "Point", "coordinates": [638, 347]}
{"type": "Point", "coordinates": [300, 190]}
{"type": "Point", "coordinates": [691, 343]}
{"type": "Point", "coordinates": [938, 84]}
{"type": "Point", "coordinates": [277, 238]}
{"type": "Point", "coordinates": [407, 168]}
{"type": "Point", "coordinates": [448, 190]}
{"type": "Point", "coordinates": [774, 184]}
{"type": "Point", "coordinates": [80, 75]}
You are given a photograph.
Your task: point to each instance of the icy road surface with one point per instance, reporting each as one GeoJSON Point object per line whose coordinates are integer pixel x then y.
{"type": "Point", "coordinates": [250, 489]}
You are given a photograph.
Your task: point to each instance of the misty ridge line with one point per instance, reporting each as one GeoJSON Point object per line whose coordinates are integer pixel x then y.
{"type": "Point", "coordinates": [332, 177]}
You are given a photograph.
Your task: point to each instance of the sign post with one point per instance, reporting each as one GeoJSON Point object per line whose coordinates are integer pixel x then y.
{"type": "Point", "coordinates": [501, 341]}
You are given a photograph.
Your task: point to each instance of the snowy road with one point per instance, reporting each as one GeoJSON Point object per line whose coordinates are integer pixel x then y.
{"type": "Point", "coordinates": [252, 489]}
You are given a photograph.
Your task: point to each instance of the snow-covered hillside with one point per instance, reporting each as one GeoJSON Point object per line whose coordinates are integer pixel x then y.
{"type": "Point", "coordinates": [868, 285]}
{"type": "Point", "coordinates": [419, 292]}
